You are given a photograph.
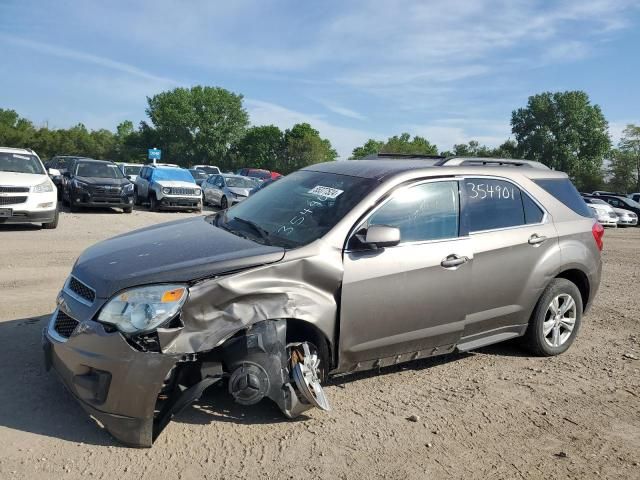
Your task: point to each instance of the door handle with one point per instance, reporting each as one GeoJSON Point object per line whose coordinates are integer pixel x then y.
{"type": "Point", "coordinates": [453, 261]}
{"type": "Point", "coordinates": [536, 239]}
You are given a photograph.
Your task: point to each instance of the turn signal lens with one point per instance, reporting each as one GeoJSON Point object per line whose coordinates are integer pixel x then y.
{"type": "Point", "coordinates": [172, 295]}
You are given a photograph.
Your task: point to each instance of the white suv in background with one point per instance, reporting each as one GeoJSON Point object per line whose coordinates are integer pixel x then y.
{"type": "Point", "coordinates": [27, 194]}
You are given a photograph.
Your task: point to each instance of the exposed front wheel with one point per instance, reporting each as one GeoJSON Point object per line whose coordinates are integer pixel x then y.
{"type": "Point", "coordinates": [556, 319]}
{"type": "Point", "coordinates": [223, 203]}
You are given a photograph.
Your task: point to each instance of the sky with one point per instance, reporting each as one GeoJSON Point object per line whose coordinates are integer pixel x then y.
{"type": "Point", "coordinates": [448, 70]}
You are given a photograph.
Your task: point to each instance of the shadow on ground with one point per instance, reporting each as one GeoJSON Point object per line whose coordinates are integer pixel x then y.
{"type": "Point", "coordinates": [33, 400]}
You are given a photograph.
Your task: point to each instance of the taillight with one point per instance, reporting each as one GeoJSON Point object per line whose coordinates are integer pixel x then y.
{"type": "Point", "coordinates": [598, 233]}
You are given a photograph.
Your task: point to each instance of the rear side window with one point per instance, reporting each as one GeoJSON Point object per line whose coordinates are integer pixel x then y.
{"type": "Point", "coordinates": [563, 190]}
{"type": "Point", "coordinates": [493, 204]}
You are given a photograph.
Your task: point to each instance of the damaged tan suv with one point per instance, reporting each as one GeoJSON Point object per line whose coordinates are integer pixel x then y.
{"type": "Point", "coordinates": [336, 268]}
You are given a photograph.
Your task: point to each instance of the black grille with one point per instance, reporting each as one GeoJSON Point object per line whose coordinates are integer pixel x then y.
{"type": "Point", "coordinates": [182, 191]}
{"type": "Point", "coordinates": [14, 189]}
{"type": "Point", "coordinates": [65, 325]}
{"type": "Point", "coordinates": [12, 200]}
{"type": "Point", "coordinates": [80, 289]}
{"type": "Point", "coordinates": [107, 191]}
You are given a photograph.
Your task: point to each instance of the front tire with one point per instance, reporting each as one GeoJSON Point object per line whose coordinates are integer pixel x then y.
{"type": "Point", "coordinates": [153, 202]}
{"type": "Point", "coordinates": [224, 204]}
{"type": "Point", "coordinates": [54, 223]}
{"type": "Point", "coordinates": [556, 319]}
{"type": "Point", "coordinates": [127, 210]}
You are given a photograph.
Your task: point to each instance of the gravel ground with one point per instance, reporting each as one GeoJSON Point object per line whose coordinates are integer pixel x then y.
{"type": "Point", "coordinates": [492, 413]}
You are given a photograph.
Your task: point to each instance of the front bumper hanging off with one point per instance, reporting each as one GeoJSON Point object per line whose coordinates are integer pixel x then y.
{"type": "Point", "coordinates": [134, 394]}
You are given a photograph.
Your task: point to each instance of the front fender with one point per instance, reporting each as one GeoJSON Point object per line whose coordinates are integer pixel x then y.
{"type": "Point", "coordinates": [305, 289]}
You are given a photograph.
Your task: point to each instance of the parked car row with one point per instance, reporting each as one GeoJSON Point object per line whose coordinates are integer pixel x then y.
{"type": "Point", "coordinates": [613, 209]}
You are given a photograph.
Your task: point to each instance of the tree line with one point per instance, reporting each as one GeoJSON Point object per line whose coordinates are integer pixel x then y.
{"type": "Point", "coordinates": [198, 125]}
{"type": "Point", "coordinates": [209, 125]}
{"type": "Point", "coordinates": [563, 130]}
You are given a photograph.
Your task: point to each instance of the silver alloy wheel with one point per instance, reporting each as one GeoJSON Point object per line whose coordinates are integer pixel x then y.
{"type": "Point", "coordinates": [559, 320]}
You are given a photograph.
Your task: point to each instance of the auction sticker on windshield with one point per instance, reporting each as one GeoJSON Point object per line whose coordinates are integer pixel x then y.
{"type": "Point", "coordinates": [327, 192]}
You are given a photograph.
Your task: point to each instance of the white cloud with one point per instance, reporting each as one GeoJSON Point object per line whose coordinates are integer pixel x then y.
{"type": "Point", "coordinates": [80, 56]}
{"type": "Point", "coordinates": [616, 128]}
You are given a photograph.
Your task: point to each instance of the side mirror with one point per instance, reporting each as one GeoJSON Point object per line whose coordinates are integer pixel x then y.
{"type": "Point", "coordinates": [67, 174]}
{"type": "Point", "coordinates": [54, 172]}
{"type": "Point", "coordinates": [380, 236]}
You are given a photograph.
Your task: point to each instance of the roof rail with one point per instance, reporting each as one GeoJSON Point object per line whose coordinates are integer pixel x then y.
{"type": "Point", "coordinates": [375, 156]}
{"type": "Point", "coordinates": [489, 162]}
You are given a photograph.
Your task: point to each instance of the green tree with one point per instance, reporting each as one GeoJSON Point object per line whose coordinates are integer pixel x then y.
{"type": "Point", "coordinates": [303, 146]}
{"type": "Point", "coordinates": [402, 144]}
{"type": "Point", "coordinates": [197, 124]}
{"type": "Point", "coordinates": [371, 147]}
{"type": "Point", "coordinates": [15, 131]}
{"type": "Point", "coordinates": [625, 163]}
{"type": "Point", "coordinates": [474, 149]}
{"type": "Point", "coordinates": [565, 132]}
{"type": "Point", "coordinates": [261, 147]}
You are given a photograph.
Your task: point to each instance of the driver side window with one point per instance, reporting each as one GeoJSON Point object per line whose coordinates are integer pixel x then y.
{"type": "Point", "coordinates": [429, 211]}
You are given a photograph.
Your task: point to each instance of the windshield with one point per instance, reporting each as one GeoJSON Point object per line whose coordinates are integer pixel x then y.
{"type": "Point", "coordinates": [132, 169]}
{"type": "Point", "coordinates": [296, 210]}
{"type": "Point", "coordinates": [20, 163]}
{"type": "Point", "coordinates": [259, 174]}
{"type": "Point", "coordinates": [239, 182]}
{"type": "Point", "coordinates": [631, 203]}
{"type": "Point", "coordinates": [210, 170]}
{"type": "Point", "coordinates": [98, 170]}
{"type": "Point", "coordinates": [198, 174]}
{"type": "Point", "coordinates": [172, 174]}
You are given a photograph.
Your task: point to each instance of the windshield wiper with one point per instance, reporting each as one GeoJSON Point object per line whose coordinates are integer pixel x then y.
{"type": "Point", "coordinates": [264, 235]}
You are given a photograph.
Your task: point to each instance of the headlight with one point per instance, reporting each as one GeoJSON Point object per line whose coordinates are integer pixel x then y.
{"type": "Point", "coordinates": [42, 187]}
{"type": "Point", "coordinates": [80, 185]}
{"type": "Point", "coordinates": [166, 190]}
{"type": "Point", "coordinates": [144, 309]}
{"type": "Point", "coordinates": [128, 187]}
{"type": "Point", "coordinates": [198, 191]}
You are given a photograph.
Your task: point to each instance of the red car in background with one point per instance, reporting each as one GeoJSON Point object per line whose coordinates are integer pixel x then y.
{"type": "Point", "coordinates": [259, 173]}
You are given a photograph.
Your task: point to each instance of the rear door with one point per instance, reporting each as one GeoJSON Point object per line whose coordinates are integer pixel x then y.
{"type": "Point", "coordinates": [405, 299]}
{"type": "Point", "coordinates": [142, 183]}
{"type": "Point", "coordinates": [513, 241]}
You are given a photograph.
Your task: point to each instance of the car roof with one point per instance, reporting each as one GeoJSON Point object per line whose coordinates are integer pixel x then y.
{"type": "Point", "coordinates": [93, 160]}
{"type": "Point", "coordinates": [25, 151]}
{"type": "Point", "coordinates": [231, 175]}
{"type": "Point", "coordinates": [383, 168]}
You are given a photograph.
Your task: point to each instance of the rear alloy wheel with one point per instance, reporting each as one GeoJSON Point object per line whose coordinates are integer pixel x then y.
{"type": "Point", "coordinates": [223, 203]}
{"type": "Point", "coordinates": [556, 319]}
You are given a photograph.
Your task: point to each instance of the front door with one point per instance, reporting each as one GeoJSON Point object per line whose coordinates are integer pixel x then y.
{"type": "Point", "coordinates": [407, 298]}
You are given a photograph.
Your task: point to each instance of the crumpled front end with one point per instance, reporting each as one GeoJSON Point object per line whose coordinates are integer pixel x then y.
{"type": "Point", "coordinates": [134, 384]}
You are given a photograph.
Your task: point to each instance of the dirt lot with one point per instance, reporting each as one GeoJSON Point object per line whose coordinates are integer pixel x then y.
{"type": "Point", "coordinates": [493, 413]}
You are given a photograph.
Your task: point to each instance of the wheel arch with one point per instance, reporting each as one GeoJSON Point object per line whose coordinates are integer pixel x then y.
{"type": "Point", "coordinates": [580, 280]}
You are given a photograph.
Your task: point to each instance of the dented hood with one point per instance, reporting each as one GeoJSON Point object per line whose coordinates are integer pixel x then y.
{"type": "Point", "coordinates": [179, 251]}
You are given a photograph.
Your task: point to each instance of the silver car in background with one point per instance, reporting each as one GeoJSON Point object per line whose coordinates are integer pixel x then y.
{"type": "Point", "coordinates": [226, 190]}
{"type": "Point", "coordinates": [602, 211]}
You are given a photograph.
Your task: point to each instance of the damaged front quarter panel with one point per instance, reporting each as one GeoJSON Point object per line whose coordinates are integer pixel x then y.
{"type": "Point", "coordinates": [239, 321]}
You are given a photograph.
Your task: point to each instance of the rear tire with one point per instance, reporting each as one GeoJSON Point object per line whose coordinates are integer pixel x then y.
{"type": "Point", "coordinates": [53, 224]}
{"type": "Point", "coordinates": [556, 319]}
